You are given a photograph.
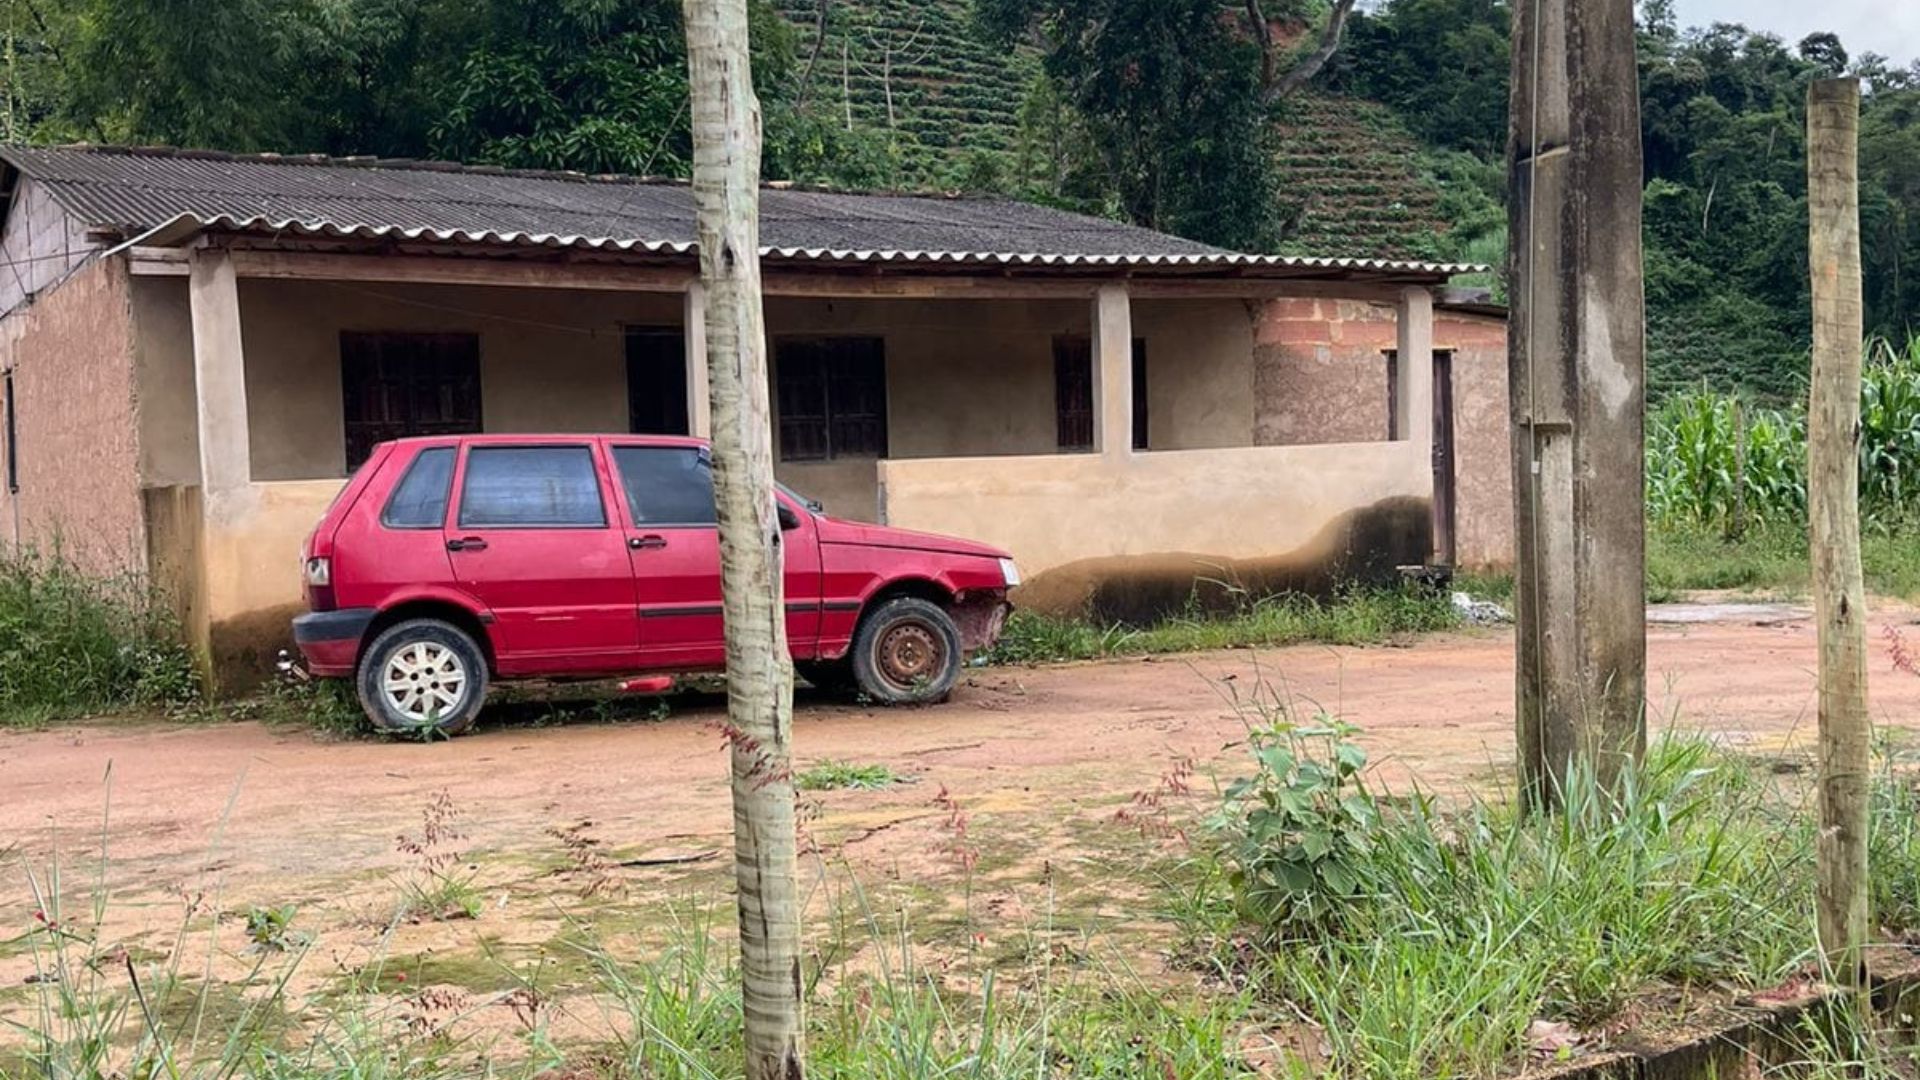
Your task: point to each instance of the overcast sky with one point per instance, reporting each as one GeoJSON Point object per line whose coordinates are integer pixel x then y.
{"type": "Point", "coordinates": [1888, 27]}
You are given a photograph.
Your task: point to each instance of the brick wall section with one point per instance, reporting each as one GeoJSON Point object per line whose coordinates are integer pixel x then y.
{"type": "Point", "coordinates": [71, 354]}
{"type": "Point", "coordinates": [1320, 376]}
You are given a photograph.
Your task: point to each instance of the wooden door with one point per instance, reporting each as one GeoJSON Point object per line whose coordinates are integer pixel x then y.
{"type": "Point", "coordinates": [1443, 470]}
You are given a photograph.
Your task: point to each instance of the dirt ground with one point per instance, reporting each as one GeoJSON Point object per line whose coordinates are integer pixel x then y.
{"type": "Point", "coordinates": [1037, 767]}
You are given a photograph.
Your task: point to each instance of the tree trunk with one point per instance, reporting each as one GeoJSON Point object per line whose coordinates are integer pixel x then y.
{"type": "Point", "coordinates": [726, 189]}
{"type": "Point", "coordinates": [1833, 505]}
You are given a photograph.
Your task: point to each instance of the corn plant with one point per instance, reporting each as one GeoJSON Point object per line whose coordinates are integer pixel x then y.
{"type": "Point", "coordinates": [1717, 462]}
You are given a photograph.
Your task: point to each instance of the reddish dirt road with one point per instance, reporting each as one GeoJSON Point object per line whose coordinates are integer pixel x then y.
{"type": "Point", "coordinates": [1046, 745]}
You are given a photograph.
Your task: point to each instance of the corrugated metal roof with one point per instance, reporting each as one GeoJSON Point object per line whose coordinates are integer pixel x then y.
{"type": "Point", "coordinates": [135, 190]}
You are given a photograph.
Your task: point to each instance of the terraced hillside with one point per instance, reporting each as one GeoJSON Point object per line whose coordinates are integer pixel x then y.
{"type": "Point", "coordinates": [1351, 181]}
{"type": "Point", "coordinates": [919, 69]}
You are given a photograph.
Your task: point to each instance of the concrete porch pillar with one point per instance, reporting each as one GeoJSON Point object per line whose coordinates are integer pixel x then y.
{"type": "Point", "coordinates": [208, 576]}
{"type": "Point", "coordinates": [219, 374]}
{"type": "Point", "coordinates": [694, 334]}
{"type": "Point", "coordinates": [1113, 372]}
{"type": "Point", "coordinates": [1413, 397]}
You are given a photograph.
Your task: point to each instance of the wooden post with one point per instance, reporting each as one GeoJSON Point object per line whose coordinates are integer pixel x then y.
{"type": "Point", "coordinates": [726, 192]}
{"type": "Point", "coordinates": [1833, 506]}
{"type": "Point", "coordinates": [1577, 392]}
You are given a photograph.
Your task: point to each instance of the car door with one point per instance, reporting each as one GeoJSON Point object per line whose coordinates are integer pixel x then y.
{"type": "Point", "coordinates": [533, 541]}
{"type": "Point", "coordinates": [674, 545]}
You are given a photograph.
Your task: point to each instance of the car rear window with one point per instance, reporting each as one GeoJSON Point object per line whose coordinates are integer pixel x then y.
{"type": "Point", "coordinates": [419, 501]}
{"type": "Point", "coordinates": [666, 485]}
{"type": "Point", "coordinates": [531, 486]}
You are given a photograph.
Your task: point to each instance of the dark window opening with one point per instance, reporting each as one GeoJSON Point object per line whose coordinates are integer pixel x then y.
{"type": "Point", "coordinates": [400, 385]}
{"type": "Point", "coordinates": [419, 501]}
{"type": "Point", "coordinates": [666, 485]}
{"type": "Point", "coordinates": [656, 381]}
{"type": "Point", "coordinates": [531, 487]}
{"type": "Point", "coordinates": [1073, 393]}
{"type": "Point", "coordinates": [832, 398]}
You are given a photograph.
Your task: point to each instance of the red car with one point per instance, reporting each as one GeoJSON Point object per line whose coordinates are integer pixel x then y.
{"type": "Point", "coordinates": [448, 562]}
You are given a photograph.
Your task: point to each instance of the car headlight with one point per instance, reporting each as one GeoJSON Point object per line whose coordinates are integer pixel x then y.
{"type": "Point", "coordinates": [320, 571]}
{"type": "Point", "coordinates": [1009, 572]}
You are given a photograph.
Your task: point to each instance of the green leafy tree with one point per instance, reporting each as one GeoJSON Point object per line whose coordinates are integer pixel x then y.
{"type": "Point", "coordinates": [1169, 95]}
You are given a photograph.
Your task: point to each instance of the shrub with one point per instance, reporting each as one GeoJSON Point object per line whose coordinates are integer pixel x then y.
{"type": "Point", "coordinates": [1297, 831]}
{"type": "Point", "coordinates": [73, 644]}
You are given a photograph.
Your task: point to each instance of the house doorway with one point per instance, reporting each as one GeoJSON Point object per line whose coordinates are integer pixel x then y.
{"type": "Point", "coordinates": [1444, 504]}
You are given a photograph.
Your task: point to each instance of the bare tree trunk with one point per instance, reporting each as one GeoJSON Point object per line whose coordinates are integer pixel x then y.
{"type": "Point", "coordinates": [1309, 65]}
{"type": "Point", "coordinates": [1833, 504]}
{"type": "Point", "coordinates": [726, 189]}
{"type": "Point", "coordinates": [820, 14]}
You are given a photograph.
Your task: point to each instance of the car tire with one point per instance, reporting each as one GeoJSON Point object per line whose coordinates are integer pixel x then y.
{"type": "Point", "coordinates": [907, 652]}
{"type": "Point", "coordinates": [422, 677]}
{"type": "Point", "coordinates": [833, 677]}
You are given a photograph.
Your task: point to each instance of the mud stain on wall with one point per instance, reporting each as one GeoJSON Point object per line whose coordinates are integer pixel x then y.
{"type": "Point", "coordinates": [1361, 546]}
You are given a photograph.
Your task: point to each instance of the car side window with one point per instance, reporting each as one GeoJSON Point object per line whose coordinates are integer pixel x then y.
{"type": "Point", "coordinates": [419, 501]}
{"type": "Point", "coordinates": [666, 485]}
{"type": "Point", "coordinates": [531, 487]}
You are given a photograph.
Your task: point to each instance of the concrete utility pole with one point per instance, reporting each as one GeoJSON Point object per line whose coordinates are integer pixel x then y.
{"type": "Point", "coordinates": [1578, 392]}
{"type": "Point", "coordinates": [1833, 510]}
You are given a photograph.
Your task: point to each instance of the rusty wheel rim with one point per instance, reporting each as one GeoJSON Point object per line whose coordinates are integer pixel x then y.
{"type": "Point", "coordinates": [909, 655]}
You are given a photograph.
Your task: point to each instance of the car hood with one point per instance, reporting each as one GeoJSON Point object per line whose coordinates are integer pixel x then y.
{"type": "Point", "coordinates": [837, 531]}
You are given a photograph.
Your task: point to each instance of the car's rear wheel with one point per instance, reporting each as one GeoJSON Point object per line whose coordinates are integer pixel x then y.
{"type": "Point", "coordinates": [907, 652]}
{"type": "Point", "coordinates": [423, 677]}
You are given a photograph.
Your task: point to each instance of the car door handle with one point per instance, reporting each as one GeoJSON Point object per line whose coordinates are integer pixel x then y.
{"type": "Point", "coordinates": [645, 543]}
{"type": "Point", "coordinates": [467, 543]}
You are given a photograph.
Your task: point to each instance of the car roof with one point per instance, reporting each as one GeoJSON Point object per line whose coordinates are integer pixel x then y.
{"type": "Point", "coordinates": [548, 439]}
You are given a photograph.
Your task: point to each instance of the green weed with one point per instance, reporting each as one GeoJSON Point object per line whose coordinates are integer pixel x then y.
{"type": "Point", "coordinates": [76, 644]}
{"type": "Point", "coordinates": [1357, 617]}
{"type": "Point", "coordinates": [833, 775]}
{"type": "Point", "coordinates": [1427, 944]}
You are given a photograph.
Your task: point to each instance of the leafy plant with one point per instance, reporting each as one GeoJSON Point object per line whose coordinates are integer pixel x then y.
{"type": "Point", "coordinates": [1298, 830]}
{"type": "Point", "coordinates": [270, 929]}
{"type": "Point", "coordinates": [74, 642]}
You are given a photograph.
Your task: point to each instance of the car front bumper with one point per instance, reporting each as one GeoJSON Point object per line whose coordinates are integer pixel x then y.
{"type": "Point", "coordinates": [330, 640]}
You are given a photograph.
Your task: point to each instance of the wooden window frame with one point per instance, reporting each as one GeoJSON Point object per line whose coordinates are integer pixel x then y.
{"type": "Point", "coordinates": [442, 366]}
{"type": "Point", "coordinates": [842, 379]}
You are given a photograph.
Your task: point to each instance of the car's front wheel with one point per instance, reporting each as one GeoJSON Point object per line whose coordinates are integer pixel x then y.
{"type": "Point", "coordinates": [907, 652]}
{"type": "Point", "coordinates": [423, 677]}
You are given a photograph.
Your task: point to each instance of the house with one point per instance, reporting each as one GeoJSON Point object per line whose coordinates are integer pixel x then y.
{"type": "Point", "coordinates": [199, 347]}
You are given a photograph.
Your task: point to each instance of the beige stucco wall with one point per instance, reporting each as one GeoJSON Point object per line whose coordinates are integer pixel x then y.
{"type": "Point", "coordinates": [970, 377]}
{"type": "Point", "coordinates": [71, 353]}
{"type": "Point", "coordinates": [550, 360]}
{"type": "Point", "coordinates": [1084, 526]}
{"type": "Point", "coordinates": [163, 377]}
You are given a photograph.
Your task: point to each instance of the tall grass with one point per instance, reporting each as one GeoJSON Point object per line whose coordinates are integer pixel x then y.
{"type": "Point", "coordinates": [1715, 461]}
{"type": "Point", "coordinates": [74, 643]}
{"type": "Point", "coordinates": [1357, 617]}
{"type": "Point", "coordinates": [1469, 924]}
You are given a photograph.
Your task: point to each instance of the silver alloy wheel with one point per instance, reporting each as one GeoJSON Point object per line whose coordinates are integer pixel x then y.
{"type": "Point", "coordinates": [424, 681]}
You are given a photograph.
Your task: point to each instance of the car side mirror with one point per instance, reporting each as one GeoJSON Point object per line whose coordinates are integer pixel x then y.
{"type": "Point", "coordinates": [788, 519]}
